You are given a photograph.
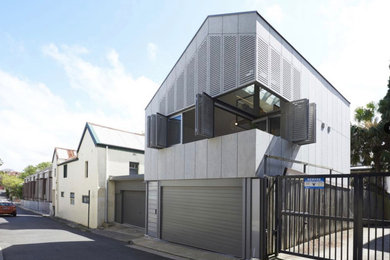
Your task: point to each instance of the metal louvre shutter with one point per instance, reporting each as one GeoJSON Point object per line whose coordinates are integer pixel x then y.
{"type": "Point", "coordinates": [203, 217]}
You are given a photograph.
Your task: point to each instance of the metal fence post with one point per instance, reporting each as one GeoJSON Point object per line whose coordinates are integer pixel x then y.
{"type": "Point", "coordinates": [278, 214]}
{"type": "Point", "coordinates": [358, 218]}
{"type": "Point", "coordinates": [263, 219]}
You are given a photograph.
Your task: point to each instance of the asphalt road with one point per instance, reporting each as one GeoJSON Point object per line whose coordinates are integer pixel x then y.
{"type": "Point", "coordinates": [31, 236]}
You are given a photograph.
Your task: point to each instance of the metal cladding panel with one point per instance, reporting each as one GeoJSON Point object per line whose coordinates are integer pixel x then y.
{"type": "Point", "coordinates": [171, 99]}
{"type": "Point", "coordinates": [204, 115]}
{"type": "Point", "coordinates": [202, 67]}
{"type": "Point", "coordinates": [299, 120]}
{"type": "Point", "coordinates": [247, 58]}
{"type": "Point", "coordinates": [180, 92]}
{"type": "Point", "coordinates": [190, 82]}
{"type": "Point", "coordinates": [133, 210]}
{"type": "Point", "coordinates": [262, 61]}
{"type": "Point", "coordinates": [203, 217]}
{"type": "Point", "coordinates": [215, 64]}
{"type": "Point", "coordinates": [296, 84]}
{"type": "Point", "coordinates": [229, 62]}
{"type": "Point", "coordinates": [163, 106]}
{"type": "Point", "coordinates": [275, 71]}
{"type": "Point", "coordinates": [287, 80]}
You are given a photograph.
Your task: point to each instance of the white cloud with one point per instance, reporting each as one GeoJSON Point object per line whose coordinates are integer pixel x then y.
{"type": "Point", "coordinates": [152, 51]}
{"type": "Point", "coordinates": [359, 49]}
{"type": "Point", "coordinates": [35, 120]}
{"type": "Point", "coordinates": [109, 87]}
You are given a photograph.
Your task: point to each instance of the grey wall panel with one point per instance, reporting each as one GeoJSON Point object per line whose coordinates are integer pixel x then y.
{"type": "Point", "coordinates": [229, 155]}
{"type": "Point", "coordinates": [214, 163]}
{"type": "Point", "coordinates": [203, 217]}
{"type": "Point", "coordinates": [152, 208]}
{"type": "Point", "coordinates": [296, 84]}
{"type": "Point", "coordinates": [201, 159]}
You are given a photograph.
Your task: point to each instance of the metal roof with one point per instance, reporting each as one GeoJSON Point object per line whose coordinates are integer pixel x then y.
{"type": "Point", "coordinates": [107, 136]}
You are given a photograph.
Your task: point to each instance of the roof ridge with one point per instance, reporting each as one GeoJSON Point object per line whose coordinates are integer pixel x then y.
{"type": "Point", "coordinates": [116, 129]}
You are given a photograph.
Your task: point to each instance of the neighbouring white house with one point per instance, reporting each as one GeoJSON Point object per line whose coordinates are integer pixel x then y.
{"type": "Point", "coordinates": [108, 168]}
{"type": "Point", "coordinates": [37, 193]}
{"type": "Point", "coordinates": [241, 103]}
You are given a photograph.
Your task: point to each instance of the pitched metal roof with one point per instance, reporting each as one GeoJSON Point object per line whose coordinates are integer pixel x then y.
{"type": "Point", "coordinates": [107, 136]}
{"type": "Point", "coordinates": [63, 154]}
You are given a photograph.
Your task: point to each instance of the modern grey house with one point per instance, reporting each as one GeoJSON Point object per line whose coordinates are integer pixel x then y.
{"type": "Point", "coordinates": [240, 104]}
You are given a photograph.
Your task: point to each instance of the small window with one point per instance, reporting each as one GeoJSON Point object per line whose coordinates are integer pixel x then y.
{"type": "Point", "coordinates": [72, 198]}
{"type": "Point", "coordinates": [65, 171]}
{"type": "Point", "coordinates": [86, 169]}
{"type": "Point", "coordinates": [62, 194]}
{"type": "Point", "coordinates": [85, 199]}
{"type": "Point", "coordinates": [133, 166]}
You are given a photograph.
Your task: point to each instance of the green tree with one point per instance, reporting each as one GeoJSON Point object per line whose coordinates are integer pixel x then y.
{"type": "Point", "coordinates": [29, 170]}
{"type": "Point", "coordinates": [43, 165]}
{"type": "Point", "coordinates": [13, 185]}
{"type": "Point", "coordinates": [370, 144]}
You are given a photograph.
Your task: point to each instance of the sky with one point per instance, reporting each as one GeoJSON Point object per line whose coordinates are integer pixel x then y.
{"type": "Point", "coordinates": [65, 63]}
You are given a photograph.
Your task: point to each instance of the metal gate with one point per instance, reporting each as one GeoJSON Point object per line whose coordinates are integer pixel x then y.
{"type": "Point", "coordinates": [333, 216]}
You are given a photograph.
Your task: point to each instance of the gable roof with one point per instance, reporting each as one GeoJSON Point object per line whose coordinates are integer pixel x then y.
{"type": "Point", "coordinates": [271, 27]}
{"type": "Point", "coordinates": [63, 154]}
{"type": "Point", "coordinates": [103, 136]}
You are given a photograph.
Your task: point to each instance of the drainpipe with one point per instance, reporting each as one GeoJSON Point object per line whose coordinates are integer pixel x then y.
{"type": "Point", "coordinates": [106, 184]}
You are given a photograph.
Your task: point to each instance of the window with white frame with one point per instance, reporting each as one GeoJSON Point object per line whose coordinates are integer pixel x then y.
{"type": "Point", "coordinates": [72, 198]}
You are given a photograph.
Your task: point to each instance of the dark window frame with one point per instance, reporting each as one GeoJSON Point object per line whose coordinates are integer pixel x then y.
{"type": "Point", "coordinates": [71, 197]}
{"type": "Point", "coordinates": [86, 169]}
{"type": "Point", "coordinates": [65, 173]}
{"type": "Point", "coordinates": [133, 168]}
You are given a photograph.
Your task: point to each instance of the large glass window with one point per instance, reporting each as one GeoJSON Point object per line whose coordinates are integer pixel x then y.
{"type": "Point", "coordinates": [249, 107]}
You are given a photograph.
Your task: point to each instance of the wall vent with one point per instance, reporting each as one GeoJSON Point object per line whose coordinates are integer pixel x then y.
{"type": "Point", "coordinates": [171, 99]}
{"type": "Point", "coordinates": [190, 95]}
{"type": "Point", "coordinates": [229, 62]}
{"type": "Point", "coordinates": [262, 61]}
{"type": "Point", "coordinates": [215, 65]}
{"type": "Point", "coordinates": [286, 79]}
{"type": "Point", "coordinates": [247, 58]}
{"type": "Point", "coordinates": [202, 67]}
{"type": "Point", "coordinates": [180, 92]}
{"type": "Point", "coordinates": [275, 71]}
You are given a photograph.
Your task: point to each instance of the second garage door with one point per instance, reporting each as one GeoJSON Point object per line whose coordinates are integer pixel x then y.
{"type": "Point", "coordinates": [133, 208]}
{"type": "Point", "coordinates": [203, 217]}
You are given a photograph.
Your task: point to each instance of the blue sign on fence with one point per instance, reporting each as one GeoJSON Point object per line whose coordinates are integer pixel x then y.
{"type": "Point", "coordinates": [314, 183]}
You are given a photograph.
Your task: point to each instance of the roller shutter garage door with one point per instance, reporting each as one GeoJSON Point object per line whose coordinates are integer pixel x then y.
{"type": "Point", "coordinates": [204, 217]}
{"type": "Point", "coordinates": [133, 210]}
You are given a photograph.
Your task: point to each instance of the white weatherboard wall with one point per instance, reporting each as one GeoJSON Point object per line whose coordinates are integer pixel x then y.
{"type": "Point", "coordinates": [234, 50]}
{"type": "Point", "coordinates": [102, 162]}
{"type": "Point", "coordinates": [77, 182]}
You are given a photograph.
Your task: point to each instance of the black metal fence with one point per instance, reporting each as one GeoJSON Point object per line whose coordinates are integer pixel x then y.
{"type": "Point", "coordinates": [334, 216]}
